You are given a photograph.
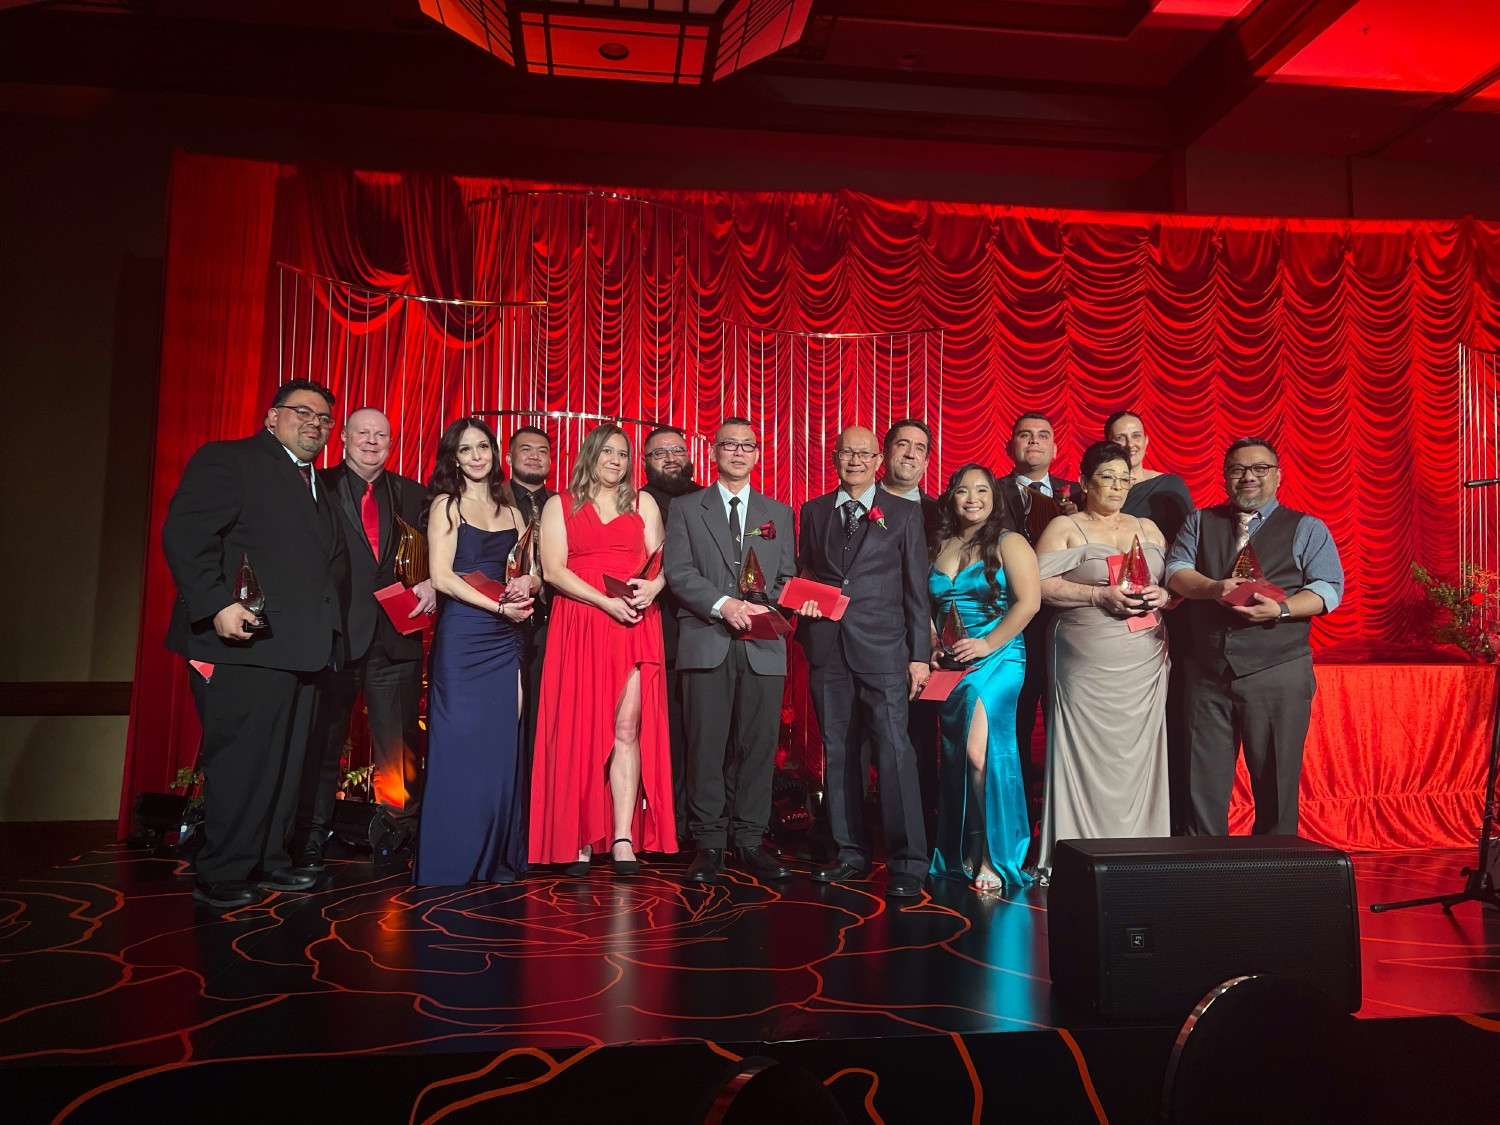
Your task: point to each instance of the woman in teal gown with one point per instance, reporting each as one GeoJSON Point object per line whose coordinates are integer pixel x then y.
{"type": "Point", "coordinates": [989, 574]}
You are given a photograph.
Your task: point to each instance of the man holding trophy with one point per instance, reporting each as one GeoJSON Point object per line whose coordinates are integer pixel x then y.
{"type": "Point", "coordinates": [262, 578]}
{"type": "Point", "coordinates": [729, 551]}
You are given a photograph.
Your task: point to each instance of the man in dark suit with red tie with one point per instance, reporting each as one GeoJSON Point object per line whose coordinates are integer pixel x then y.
{"type": "Point", "coordinates": [866, 666]}
{"type": "Point", "coordinates": [260, 500]}
{"type": "Point", "coordinates": [381, 661]}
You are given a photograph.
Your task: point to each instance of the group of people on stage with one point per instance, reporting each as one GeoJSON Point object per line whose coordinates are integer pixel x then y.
{"type": "Point", "coordinates": [600, 705]}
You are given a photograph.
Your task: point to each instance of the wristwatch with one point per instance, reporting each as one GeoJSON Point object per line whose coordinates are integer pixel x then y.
{"type": "Point", "coordinates": [1286, 612]}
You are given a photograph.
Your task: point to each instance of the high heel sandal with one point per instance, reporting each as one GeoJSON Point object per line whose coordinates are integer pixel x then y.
{"type": "Point", "coordinates": [622, 866]}
{"type": "Point", "coordinates": [581, 868]}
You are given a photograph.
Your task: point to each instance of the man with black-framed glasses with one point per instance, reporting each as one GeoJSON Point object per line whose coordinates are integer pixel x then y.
{"type": "Point", "coordinates": [669, 474]}
{"type": "Point", "coordinates": [1249, 672]}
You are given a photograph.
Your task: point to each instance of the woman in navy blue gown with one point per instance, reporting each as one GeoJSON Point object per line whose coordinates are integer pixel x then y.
{"type": "Point", "coordinates": [473, 827]}
{"type": "Point", "coordinates": [989, 574]}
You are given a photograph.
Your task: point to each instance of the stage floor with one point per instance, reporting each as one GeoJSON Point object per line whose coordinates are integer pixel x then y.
{"type": "Point", "coordinates": [115, 986]}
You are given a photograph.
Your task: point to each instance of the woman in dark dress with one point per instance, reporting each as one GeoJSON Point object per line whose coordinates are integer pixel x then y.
{"type": "Point", "coordinates": [473, 826]}
{"type": "Point", "coordinates": [1162, 498]}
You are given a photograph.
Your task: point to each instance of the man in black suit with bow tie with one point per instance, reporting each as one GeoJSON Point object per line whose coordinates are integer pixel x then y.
{"type": "Point", "coordinates": [382, 662]}
{"type": "Point", "coordinates": [259, 499]}
{"type": "Point", "coordinates": [866, 666]}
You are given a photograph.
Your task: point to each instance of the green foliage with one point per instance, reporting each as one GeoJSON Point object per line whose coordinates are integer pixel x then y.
{"type": "Point", "coordinates": [1466, 613]}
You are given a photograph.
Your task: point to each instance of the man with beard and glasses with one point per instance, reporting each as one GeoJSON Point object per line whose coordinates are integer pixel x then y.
{"type": "Point", "coordinates": [529, 458]}
{"type": "Point", "coordinates": [669, 474]}
{"type": "Point", "coordinates": [1250, 675]}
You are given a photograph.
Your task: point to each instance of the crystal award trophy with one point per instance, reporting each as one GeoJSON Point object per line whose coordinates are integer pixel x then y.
{"type": "Point", "coordinates": [248, 593]}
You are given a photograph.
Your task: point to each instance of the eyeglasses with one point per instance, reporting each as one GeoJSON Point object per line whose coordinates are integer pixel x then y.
{"type": "Point", "coordinates": [1110, 478]}
{"type": "Point", "coordinates": [860, 455]}
{"type": "Point", "coordinates": [1235, 472]}
{"type": "Point", "coordinates": [305, 414]}
{"type": "Point", "coordinates": [678, 451]}
{"type": "Point", "coordinates": [738, 446]}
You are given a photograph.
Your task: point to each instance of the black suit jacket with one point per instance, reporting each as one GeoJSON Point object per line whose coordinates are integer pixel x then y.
{"type": "Point", "coordinates": [1016, 506]}
{"type": "Point", "coordinates": [931, 514]}
{"type": "Point", "coordinates": [887, 624]}
{"type": "Point", "coordinates": [671, 604]}
{"type": "Point", "coordinates": [247, 498]}
{"type": "Point", "coordinates": [393, 493]}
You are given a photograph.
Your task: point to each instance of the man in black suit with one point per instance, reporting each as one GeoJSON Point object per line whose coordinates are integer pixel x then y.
{"type": "Point", "coordinates": [864, 667]}
{"type": "Point", "coordinates": [382, 662]}
{"type": "Point", "coordinates": [907, 448]}
{"type": "Point", "coordinates": [1032, 450]}
{"type": "Point", "coordinates": [669, 474]}
{"type": "Point", "coordinates": [731, 684]}
{"type": "Point", "coordinates": [258, 499]}
{"type": "Point", "coordinates": [529, 456]}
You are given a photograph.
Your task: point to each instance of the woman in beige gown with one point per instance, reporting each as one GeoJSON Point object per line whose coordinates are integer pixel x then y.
{"type": "Point", "coordinates": [1106, 724]}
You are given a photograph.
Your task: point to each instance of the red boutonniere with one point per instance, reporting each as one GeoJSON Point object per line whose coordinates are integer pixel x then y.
{"type": "Point", "coordinates": [878, 516]}
{"type": "Point", "coordinates": [766, 530]}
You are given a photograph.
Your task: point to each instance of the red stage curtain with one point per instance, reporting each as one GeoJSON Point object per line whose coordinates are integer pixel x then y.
{"type": "Point", "coordinates": [1336, 339]}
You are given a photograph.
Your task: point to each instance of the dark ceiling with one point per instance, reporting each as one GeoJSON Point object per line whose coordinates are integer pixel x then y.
{"type": "Point", "coordinates": [1106, 86]}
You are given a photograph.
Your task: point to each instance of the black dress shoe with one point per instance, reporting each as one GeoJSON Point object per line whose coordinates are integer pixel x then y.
{"type": "Point", "coordinates": [761, 863]}
{"type": "Point", "coordinates": [225, 894]}
{"type": "Point", "coordinates": [286, 879]}
{"type": "Point", "coordinates": [308, 859]}
{"type": "Point", "coordinates": [903, 886]}
{"type": "Point", "coordinates": [837, 872]}
{"type": "Point", "coordinates": [707, 866]}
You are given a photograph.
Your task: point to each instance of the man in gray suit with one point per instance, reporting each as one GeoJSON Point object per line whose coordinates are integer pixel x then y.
{"type": "Point", "coordinates": [731, 685]}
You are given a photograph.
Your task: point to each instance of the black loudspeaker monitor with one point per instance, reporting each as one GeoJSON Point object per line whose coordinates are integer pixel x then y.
{"type": "Point", "coordinates": [1143, 929]}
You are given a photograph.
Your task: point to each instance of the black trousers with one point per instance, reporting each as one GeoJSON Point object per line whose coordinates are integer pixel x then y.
{"type": "Point", "coordinates": [1266, 712]}
{"type": "Point", "coordinates": [850, 707]}
{"type": "Point", "coordinates": [1036, 690]}
{"type": "Point", "coordinates": [393, 698]}
{"type": "Point", "coordinates": [732, 716]}
{"type": "Point", "coordinates": [677, 745]}
{"type": "Point", "coordinates": [255, 729]}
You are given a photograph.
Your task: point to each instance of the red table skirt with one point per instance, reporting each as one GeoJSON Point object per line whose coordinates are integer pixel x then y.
{"type": "Point", "coordinates": [1395, 757]}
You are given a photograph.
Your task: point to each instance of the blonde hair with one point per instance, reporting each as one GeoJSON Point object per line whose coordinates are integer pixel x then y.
{"type": "Point", "coordinates": [585, 476]}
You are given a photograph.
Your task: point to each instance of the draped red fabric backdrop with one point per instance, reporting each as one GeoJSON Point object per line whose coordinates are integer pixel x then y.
{"type": "Point", "coordinates": [1336, 339]}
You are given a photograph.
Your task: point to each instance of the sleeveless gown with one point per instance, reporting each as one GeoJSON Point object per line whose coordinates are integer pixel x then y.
{"type": "Point", "coordinates": [589, 657]}
{"type": "Point", "coordinates": [996, 682]}
{"type": "Point", "coordinates": [473, 825]}
{"type": "Point", "coordinates": [1106, 722]}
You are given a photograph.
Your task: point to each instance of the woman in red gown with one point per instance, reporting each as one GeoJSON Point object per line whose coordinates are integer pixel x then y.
{"type": "Point", "coordinates": [602, 774]}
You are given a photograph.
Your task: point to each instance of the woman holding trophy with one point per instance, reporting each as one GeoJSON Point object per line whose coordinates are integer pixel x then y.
{"type": "Point", "coordinates": [984, 589]}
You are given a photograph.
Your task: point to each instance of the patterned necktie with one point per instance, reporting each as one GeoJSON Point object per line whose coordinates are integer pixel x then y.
{"type": "Point", "coordinates": [369, 515]}
{"type": "Point", "coordinates": [734, 528]}
{"type": "Point", "coordinates": [852, 512]}
{"type": "Point", "coordinates": [306, 471]}
{"type": "Point", "coordinates": [1243, 537]}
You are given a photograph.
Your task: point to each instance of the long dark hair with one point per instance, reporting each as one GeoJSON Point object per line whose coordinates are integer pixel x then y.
{"type": "Point", "coordinates": [448, 479]}
{"type": "Point", "coordinates": [987, 538]}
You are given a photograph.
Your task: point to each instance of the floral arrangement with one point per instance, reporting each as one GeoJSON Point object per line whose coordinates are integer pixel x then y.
{"type": "Point", "coordinates": [1465, 613]}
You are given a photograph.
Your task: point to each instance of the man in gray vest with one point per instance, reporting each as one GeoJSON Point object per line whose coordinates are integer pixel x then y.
{"type": "Point", "coordinates": [1249, 668]}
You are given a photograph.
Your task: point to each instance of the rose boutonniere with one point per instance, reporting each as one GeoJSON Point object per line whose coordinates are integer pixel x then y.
{"type": "Point", "coordinates": [878, 516]}
{"type": "Point", "coordinates": [766, 531]}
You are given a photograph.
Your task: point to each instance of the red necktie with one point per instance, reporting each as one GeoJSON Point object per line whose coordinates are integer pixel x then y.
{"type": "Point", "coordinates": [306, 472]}
{"type": "Point", "coordinates": [369, 515]}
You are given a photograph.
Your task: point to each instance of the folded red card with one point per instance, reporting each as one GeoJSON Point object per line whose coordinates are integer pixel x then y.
{"type": "Point", "coordinates": [1244, 593]}
{"type": "Point", "coordinates": [618, 587]}
{"type": "Point", "coordinates": [766, 627]}
{"type": "Point", "coordinates": [398, 602]}
{"type": "Point", "coordinates": [940, 684]}
{"type": "Point", "coordinates": [486, 585]}
{"type": "Point", "coordinates": [1136, 622]}
{"type": "Point", "coordinates": [831, 600]}
{"type": "Point", "coordinates": [203, 668]}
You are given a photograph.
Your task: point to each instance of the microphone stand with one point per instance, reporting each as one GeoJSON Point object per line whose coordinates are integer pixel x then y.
{"type": "Point", "coordinates": [1479, 885]}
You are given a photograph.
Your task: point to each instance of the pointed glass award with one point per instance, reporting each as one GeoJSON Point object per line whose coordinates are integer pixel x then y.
{"type": "Point", "coordinates": [950, 634]}
{"type": "Point", "coordinates": [1135, 575]}
{"type": "Point", "coordinates": [1247, 566]}
{"type": "Point", "coordinates": [753, 579]}
{"type": "Point", "coordinates": [248, 593]}
{"type": "Point", "coordinates": [522, 557]}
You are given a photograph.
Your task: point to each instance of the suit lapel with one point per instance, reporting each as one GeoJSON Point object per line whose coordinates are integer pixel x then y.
{"type": "Point", "coordinates": [294, 489]}
{"type": "Point", "coordinates": [716, 522]}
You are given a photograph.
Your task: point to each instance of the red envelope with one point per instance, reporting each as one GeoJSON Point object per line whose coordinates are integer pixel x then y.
{"type": "Point", "coordinates": [486, 586]}
{"type": "Point", "coordinates": [398, 602]}
{"type": "Point", "coordinates": [1136, 622]}
{"type": "Point", "coordinates": [940, 684]}
{"type": "Point", "coordinates": [765, 627]}
{"type": "Point", "coordinates": [203, 668]}
{"type": "Point", "coordinates": [831, 600]}
{"type": "Point", "coordinates": [1243, 594]}
{"type": "Point", "coordinates": [618, 587]}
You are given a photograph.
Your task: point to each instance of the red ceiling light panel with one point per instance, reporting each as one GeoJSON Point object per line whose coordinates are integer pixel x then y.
{"type": "Point", "coordinates": [682, 42]}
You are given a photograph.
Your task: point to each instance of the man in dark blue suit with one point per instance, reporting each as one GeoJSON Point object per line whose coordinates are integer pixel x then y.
{"type": "Point", "coordinates": [866, 666]}
{"type": "Point", "coordinates": [260, 499]}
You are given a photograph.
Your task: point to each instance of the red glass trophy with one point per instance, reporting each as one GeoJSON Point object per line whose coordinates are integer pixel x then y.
{"type": "Point", "coordinates": [753, 580]}
{"type": "Point", "coordinates": [1247, 566]}
{"type": "Point", "coordinates": [619, 588]}
{"type": "Point", "coordinates": [523, 556]}
{"type": "Point", "coordinates": [248, 593]}
{"type": "Point", "coordinates": [1134, 577]}
{"type": "Point", "coordinates": [950, 634]}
